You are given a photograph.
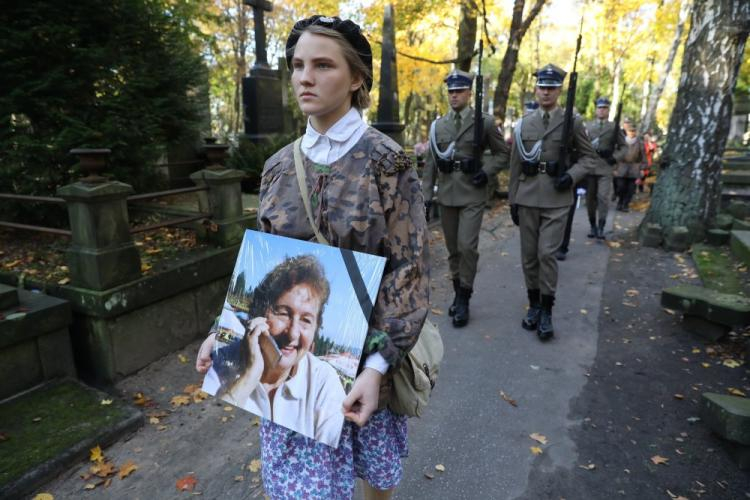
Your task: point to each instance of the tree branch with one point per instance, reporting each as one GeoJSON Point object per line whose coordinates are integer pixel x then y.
{"type": "Point", "coordinates": [424, 59]}
{"type": "Point", "coordinates": [532, 15]}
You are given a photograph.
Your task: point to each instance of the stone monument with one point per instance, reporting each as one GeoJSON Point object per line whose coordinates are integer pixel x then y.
{"type": "Point", "coordinates": [388, 115]}
{"type": "Point", "coordinates": [261, 91]}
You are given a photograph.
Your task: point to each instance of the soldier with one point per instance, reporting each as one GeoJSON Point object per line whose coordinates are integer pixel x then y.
{"type": "Point", "coordinates": [631, 160]}
{"type": "Point", "coordinates": [606, 139]}
{"type": "Point", "coordinates": [461, 182]}
{"type": "Point", "coordinates": [541, 192]}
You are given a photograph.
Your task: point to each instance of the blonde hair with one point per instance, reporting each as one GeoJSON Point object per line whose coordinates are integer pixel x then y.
{"type": "Point", "coordinates": [360, 97]}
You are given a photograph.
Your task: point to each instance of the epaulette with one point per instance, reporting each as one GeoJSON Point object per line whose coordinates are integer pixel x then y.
{"type": "Point", "coordinates": [389, 158]}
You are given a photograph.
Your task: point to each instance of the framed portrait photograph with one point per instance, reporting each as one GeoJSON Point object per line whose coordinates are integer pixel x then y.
{"type": "Point", "coordinates": [290, 335]}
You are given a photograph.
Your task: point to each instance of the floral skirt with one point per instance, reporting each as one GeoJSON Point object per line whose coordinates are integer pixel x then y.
{"type": "Point", "coordinates": [295, 466]}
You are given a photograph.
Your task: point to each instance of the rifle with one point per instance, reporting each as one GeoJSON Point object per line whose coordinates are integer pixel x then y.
{"type": "Point", "coordinates": [478, 119]}
{"type": "Point", "coordinates": [566, 146]}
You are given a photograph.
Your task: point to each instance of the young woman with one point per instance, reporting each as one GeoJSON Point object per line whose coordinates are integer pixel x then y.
{"type": "Point", "coordinates": [364, 195]}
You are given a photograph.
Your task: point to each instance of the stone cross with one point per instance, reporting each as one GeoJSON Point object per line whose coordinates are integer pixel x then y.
{"type": "Point", "coordinates": [261, 60]}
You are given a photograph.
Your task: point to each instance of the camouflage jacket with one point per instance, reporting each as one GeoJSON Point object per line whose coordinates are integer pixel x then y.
{"type": "Point", "coordinates": [369, 201]}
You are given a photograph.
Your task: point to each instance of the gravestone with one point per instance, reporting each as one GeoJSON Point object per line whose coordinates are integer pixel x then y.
{"type": "Point", "coordinates": [261, 91]}
{"type": "Point", "coordinates": [388, 115]}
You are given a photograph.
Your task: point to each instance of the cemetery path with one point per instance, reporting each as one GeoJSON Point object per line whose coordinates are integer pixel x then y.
{"type": "Point", "coordinates": [601, 394]}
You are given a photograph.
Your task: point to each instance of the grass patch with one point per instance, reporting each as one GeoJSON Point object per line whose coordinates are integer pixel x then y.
{"type": "Point", "coordinates": [717, 269]}
{"type": "Point", "coordinates": [43, 424]}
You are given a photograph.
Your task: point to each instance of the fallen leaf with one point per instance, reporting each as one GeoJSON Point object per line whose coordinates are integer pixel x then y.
{"type": "Point", "coordinates": [629, 304]}
{"type": "Point", "coordinates": [670, 311]}
{"type": "Point", "coordinates": [153, 420]}
{"type": "Point", "coordinates": [632, 292]}
{"type": "Point", "coordinates": [43, 496]}
{"type": "Point", "coordinates": [145, 267]}
{"type": "Point", "coordinates": [731, 363]}
{"type": "Point", "coordinates": [705, 365]}
{"type": "Point", "coordinates": [152, 251]}
{"type": "Point", "coordinates": [538, 438]}
{"type": "Point", "coordinates": [183, 359]}
{"type": "Point", "coordinates": [140, 399]}
{"type": "Point", "coordinates": [199, 396]}
{"type": "Point", "coordinates": [128, 468]}
{"type": "Point", "coordinates": [103, 469]}
{"type": "Point", "coordinates": [436, 311]}
{"type": "Point", "coordinates": [186, 483]}
{"type": "Point", "coordinates": [63, 281]}
{"type": "Point", "coordinates": [440, 467]}
{"type": "Point", "coordinates": [429, 475]}
{"type": "Point", "coordinates": [239, 479]}
{"type": "Point", "coordinates": [659, 460]}
{"type": "Point", "coordinates": [90, 486]}
{"type": "Point", "coordinates": [96, 454]}
{"type": "Point", "coordinates": [190, 389]}
{"type": "Point", "coordinates": [736, 392]}
{"type": "Point", "coordinates": [105, 402]}
{"type": "Point", "coordinates": [696, 350]}
{"type": "Point", "coordinates": [254, 465]}
{"type": "Point", "coordinates": [584, 312]}
{"type": "Point", "coordinates": [508, 399]}
{"type": "Point", "coordinates": [180, 400]}
{"type": "Point", "coordinates": [536, 450]}
{"type": "Point", "coordinates": [679, 396]}
{"type": "Point", "coordinates": [36, 419]}
{"type": "Point", "coordinates": [588, 467]}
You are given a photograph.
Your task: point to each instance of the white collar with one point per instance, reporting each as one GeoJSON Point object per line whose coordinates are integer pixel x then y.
{"type": "Point", "coordinates": [341, 131]}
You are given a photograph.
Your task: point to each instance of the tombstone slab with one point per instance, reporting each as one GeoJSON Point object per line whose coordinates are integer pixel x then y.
{"type": "Point", "coordinates": [677, 238]}
{"type": "Point", "coordinates": [651, 235]}
{"type": "Point", "coordinates": [727, 416]}
{"type": "Point", "coordinates": [717, 237]}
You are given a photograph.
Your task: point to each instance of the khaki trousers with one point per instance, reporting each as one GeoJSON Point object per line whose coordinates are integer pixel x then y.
{"type": "Point", "coordinates": [542, 232]}
{"type": "Point", "coordinates": [461, 227]}
{"type": "Point", "coordinates": [598, 191]}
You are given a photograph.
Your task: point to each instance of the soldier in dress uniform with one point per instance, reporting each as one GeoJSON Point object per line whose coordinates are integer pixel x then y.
{"type": "Point", "coordinates": [607, 139]}
{"type": "Point", "coordinates": [461, 185]}
{"type": "Point", "coordinates": [541, 192]}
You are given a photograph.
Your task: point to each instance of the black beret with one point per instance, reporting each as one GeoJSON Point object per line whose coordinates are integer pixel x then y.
{"type": "Point", "coordinates": [347, 28]}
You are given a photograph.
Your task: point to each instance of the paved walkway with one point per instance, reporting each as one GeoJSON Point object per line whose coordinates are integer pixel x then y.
{"type": "Point", "coordinates": [481, 439]}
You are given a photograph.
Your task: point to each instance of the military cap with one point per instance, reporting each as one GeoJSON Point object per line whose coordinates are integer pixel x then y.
{"type": "Point", "coordinates": [457, 80]}
{"type": "Point", "coordinates": [350, 31]}
{"type": "Point", "coordinates": [602, 102]}
{"type": "Point", "coordinates": [531, 105]}
{"type": "Point", "coordinates": [550, 76]}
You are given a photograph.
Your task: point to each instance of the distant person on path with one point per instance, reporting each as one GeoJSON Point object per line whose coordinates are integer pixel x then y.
{"type": "Point", "coordinates": [541, 193]}
{"type": "Point", "coordinates": [606, 139]}
{"type": "Point", "coordinates": [651, 147]}
{"type": "Point", "coordinates": [365, 196]}
{"type": "Point", "coordinates": [461, 182]}
{"type": "Point", "coordinates": [631, 159]}
{"type": "Point", "coordinates": [297, 390]}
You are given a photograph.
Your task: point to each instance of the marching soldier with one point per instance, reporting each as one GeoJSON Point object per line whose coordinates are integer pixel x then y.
{"type": "Point", "coordinates": [607, 139]}
{"type": "Point", "coordinates": [541, 192]}
{"type": "Point", "coordinates": [461, 182]}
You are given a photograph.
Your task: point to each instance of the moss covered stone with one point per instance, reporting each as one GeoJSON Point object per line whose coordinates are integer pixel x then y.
{"type": "Point", "coordinates": [727, 416]}
{"type": "Point", "coordinates": [48, 429]}
{"type": "Point", "coordinates": [722, 308]}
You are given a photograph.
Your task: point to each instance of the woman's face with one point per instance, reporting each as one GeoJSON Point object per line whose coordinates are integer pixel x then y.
{"type": "Point", "coordinates": [293, 321]}
{"type": "Point", "coordinates": [321, 78]}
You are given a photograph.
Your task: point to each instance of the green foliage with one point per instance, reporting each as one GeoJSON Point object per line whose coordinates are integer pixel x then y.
{"type": "Point", "coordinates": [250, 157]}
{"type": "Point", "coordinates": [124, 75]}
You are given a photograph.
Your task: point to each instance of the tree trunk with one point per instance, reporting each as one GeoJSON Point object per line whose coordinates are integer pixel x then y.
{"type": "Point", "coordinates": [653, 101]}
{"type": "Point", "coordinates": [518, 28]}
{"type": "Point", "coordinates": [467, 34]}
{"type": "Point", "coordinates": [688, 190]}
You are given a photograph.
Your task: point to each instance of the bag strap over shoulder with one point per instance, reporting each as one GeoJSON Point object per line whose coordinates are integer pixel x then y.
{"type": "Point", "coordinates": [301, 180]}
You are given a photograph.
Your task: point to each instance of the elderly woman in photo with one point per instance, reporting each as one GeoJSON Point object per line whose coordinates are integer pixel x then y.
{"type": "Point", "coordinates": [364, 195]}
{"type": "Point", "coordinates": [281, 379]}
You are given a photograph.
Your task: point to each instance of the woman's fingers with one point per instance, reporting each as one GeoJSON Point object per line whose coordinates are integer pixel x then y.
{"type": "Point", "coordinates": [362, 400]}
{"type": "Point", "coordinates": [203, 360]}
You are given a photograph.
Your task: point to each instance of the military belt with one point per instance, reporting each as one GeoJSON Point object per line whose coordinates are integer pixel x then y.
{"type": "Point", "coordinates": [468, 166]}
{"type": "Point", "coordinates": [532, 168]}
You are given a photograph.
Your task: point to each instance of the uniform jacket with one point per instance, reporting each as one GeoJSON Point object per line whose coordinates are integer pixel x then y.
{"type": "Point", "coordinates": [605, 140]}
{"type": "Point", "coordinates": [631, 159]}
{"type": "Point", "coordinates": [369, 200]}
{"type": "Point", "coordinates": [455, 188]}
{"type": "Point", "coordinates": [538, 190]}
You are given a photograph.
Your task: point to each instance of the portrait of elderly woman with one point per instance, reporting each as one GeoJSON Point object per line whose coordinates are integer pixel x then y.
{"type": "Point", "coordinates": [275, 374]}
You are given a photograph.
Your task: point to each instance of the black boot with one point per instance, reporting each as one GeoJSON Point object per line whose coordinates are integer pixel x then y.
{"type": "Point", "coordinates": [592, 233]}
{"type": "Point", "coordinates": [600, 229]}
{"type": "Point", "coordinates": [452, 308]}
{"type": "Point", "coordinates": [461, 318]}
{"type": "Point", "coordinates": [531, 320]}
{"type": "Point", "coordinates": [545, 331]}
